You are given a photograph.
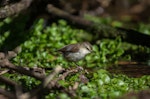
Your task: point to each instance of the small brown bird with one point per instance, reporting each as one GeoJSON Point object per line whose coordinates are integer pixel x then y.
{"type": "Point", "coordinates": [76, 52]}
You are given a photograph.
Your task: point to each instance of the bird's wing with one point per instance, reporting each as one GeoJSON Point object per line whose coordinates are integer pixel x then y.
{"type": "Point", "coordinates": [69, 48]}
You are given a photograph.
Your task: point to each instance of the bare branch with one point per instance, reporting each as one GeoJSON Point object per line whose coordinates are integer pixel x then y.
{"type": "Point", "coordinates": [63, 14]}
{"type": "Point", "coordinates": [6, 64]}
{"type": "Point", "coordinates": [7, 81]}
{"type": "Point", "coordinates": [49, 78]}
{"type": "Point", "coordinates": [7, 94]}
{"type": "Point", "coordinates": [46, 81]}
{"type": "Point", "coordinates": [3, 72]}
{"type": "Point", "coordinates": [16, 8]}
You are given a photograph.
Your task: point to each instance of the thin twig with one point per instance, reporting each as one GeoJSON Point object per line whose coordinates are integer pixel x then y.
{"type": "Point", "coordinates": [4, 71]}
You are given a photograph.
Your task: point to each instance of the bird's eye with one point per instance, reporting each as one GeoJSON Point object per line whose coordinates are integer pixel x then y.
{"type": "Point", "coordinates": [89, 48]}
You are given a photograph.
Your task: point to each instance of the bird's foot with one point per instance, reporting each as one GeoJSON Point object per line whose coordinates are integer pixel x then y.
{"type": "Point", "coordinates": [80, 68]}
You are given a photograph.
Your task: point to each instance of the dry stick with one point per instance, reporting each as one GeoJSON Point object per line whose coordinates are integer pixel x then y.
{"type": "Point", "coordinates": [71, 90]}
{"type": "Point", "coordinates": [16, 8]}
{"type": "Point", "coordinates": [49, 78]}
{"type": "Point", "coordinates": [3, 72]}
{"type": "Point", "coordinates": [44, 84]}
{"type": "Point", "coordinates": [62, 77]}
{"type": "Point", "coordinates": [63, 14]}
{"type": "Point", "coordinates": [8, 81]}
{"type": "Point", "coordinates": [19, 91]}
{"type": "Point", "coordinates": [51, 83]}
{"type": "Point", "coordinates": [7, 94]}
{"type": "Point", "coordinates": [12, 83]}
{"type": "Point", "coordinates": [6, 64]}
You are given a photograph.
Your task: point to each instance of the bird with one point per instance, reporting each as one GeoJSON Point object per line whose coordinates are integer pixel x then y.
{"type": "Point", "coordinates": [76, 52]}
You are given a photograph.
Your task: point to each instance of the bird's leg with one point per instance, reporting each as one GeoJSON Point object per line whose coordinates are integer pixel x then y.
{"type": "Point", "coordinates": [76, 64]}
{"type": "Point", "coordinates": [79, 67]}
